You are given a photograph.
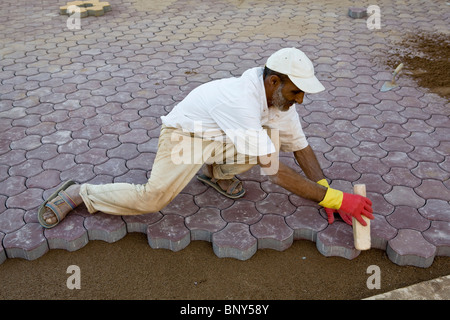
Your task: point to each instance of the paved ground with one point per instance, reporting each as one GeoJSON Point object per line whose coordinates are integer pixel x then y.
{"type": "Point", "coordinates": [85, 104]}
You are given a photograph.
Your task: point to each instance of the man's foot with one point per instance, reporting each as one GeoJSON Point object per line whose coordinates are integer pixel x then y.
{"type": "Point", "coordinates": [231, 188]}
{"type": "Point", "coordinates": [65, 202]}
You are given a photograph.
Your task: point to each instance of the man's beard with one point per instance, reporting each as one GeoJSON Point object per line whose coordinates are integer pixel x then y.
{"type": "Point", "coordinates": [280, 102]}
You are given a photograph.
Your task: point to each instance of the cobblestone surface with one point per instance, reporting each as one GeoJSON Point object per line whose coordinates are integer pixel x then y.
{"type": "Point", "coordinates": [86, 105]}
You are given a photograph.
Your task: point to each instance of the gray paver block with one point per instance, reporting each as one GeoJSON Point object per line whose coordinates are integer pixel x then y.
{"type": "Point", "coordinates": [235, 241]}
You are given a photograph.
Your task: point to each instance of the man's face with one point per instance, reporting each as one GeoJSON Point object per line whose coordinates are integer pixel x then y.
{"type": "Point", "coordinates": [285, 95]}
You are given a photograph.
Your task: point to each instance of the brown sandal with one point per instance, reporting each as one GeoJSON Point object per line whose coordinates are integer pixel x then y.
{"type": "Point", "coordinates": [64, 200]}
{"type": "Point", "coordinates": [229, 192]}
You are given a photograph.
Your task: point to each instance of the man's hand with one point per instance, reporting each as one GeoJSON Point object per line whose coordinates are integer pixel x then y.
{"type": "Point", "coordinates": [346, 217]}
{"type": "Point", "coordinates": [346, 204]}
{"type": "Point", "coordinates": [357, 206]}
{"type": "Point", "coordinates": [330, 212]}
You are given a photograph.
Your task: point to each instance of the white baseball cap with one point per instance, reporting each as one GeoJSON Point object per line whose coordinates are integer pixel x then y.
{"type": "Point", "coordinates": [297, 66]}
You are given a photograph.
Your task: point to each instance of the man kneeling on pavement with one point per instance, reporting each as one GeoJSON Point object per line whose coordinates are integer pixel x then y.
{"type": "Point", "coordinates": [225, 126]}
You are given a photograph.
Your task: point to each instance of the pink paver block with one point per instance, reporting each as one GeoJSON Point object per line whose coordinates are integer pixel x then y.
{"type": "Point", "coordinates": [436, 209]}
{"type": "Point", "coordinates": [404, 196]}
{"type": "Point", "coordinates": [234, 241]}
{"type": "Point", "coordinates": [212, 198]}
{"type": "Point", "coordinates": [306, 223]}
{"type": "Point", "coordinates": [183, 205]}
{"type": "Point", "coordinates": [27, 200]}
{"type": "Point", "coordinates": [106, 227]}
{"type": "Point", "coordinates": [405, 217]}
{"type": "Point", "coordinates": [28, 242]}
{"type": "Point", "coordinates": [169, 233]}
{"type": "Point", "coordinates": [272, 232]}
{"type": "Point", "coordinates": [69, 234]}
{"type": "Point", "coordinates": [438, 236]}
{"type": "Point", "coordinates": [276, 203]}
{"type": "Point", "coordinates": [337, 240]}
{"type": "Point", "coordinates": [409, 247]}
{"type": "Point", "coordinates": [204, 223]}
{"type": "Point", "coordinates": [242, 211]}
{"type": "Point", "coordinates": [381, 232]}
{"type": "Point", "coordinates": [140, 223]}
{"type": "Point", "coordinates": [11, 220]}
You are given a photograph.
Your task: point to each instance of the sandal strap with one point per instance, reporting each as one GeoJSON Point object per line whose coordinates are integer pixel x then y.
{"type": "Point", "coordinates": [54, 209]}
{"type": "Point", "coordinates": [233, 186]}
{"type": "Point", "coordinates": [67, 199]}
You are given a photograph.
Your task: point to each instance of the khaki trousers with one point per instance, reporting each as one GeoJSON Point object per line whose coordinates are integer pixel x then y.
{"type": "Point", "coordinates": [179, 157]}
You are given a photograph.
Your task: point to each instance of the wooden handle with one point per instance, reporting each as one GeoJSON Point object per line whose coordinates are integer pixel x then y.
{"type": "Point", "coordinates": [396, 71]}
{"type": "Point", "coordinates": [361, 234]}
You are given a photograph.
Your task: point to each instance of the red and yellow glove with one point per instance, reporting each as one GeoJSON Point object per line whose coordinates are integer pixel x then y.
{"type": "Point", "coordinates": [346, 204]}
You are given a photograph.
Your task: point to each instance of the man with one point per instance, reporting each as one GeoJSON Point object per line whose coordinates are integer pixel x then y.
{"type": "Point", "coordinates": [227, 126]}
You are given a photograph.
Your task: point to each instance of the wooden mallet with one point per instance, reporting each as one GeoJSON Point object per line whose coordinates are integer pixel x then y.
{"type": "Point", "coordinates": [361, 234]}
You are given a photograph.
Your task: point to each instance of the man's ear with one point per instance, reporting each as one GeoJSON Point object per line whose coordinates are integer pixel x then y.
{"type": "Point", "coordinates": [274, 80]}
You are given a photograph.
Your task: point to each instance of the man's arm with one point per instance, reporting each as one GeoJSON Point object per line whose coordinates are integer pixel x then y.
{"type": "Point", "coordinates": [286, 177]}
{"type": "Point", "coordinates": [307, 160]}
{"type": "Point", "coordinates": [294, 182]}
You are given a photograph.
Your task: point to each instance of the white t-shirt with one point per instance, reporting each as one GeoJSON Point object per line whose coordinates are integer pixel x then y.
{"type": "Point", "coordinates": [235, 109]}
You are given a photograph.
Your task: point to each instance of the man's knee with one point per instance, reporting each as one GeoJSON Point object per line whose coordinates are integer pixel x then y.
{"type": "Point", "coordinates": [151, 200]}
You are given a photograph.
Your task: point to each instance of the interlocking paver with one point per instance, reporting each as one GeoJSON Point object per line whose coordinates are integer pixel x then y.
{"type": "Point", "coordinates": [437, 237]}
{"type": "Point", "coordinates": [235, 241]}
{"type": "Point", "coordinates": [272, 232]}
{"type": "Point", "coordinates": [69, 235]}
{"type": "Point", "coordinates": [205, 223]}
{"type": "Point", "coordinates": [409, 247]}
{"type": "Point", "coordinates": [381, 231]}
{"type": "Point", "coordinates": [306, 223]}
{"type": "Point", "coordinates": [169, 233]}
{"type": "Point", "coordinates": [104, 227]}
{"type": "Point", "coordinates": [11, 220]}
{"type": "Point", "coordinates": [337, 240]}
{"type": "Point", "coordinates": [27, 243]}
{"type": "Point", "coordinates": [85, 105]}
